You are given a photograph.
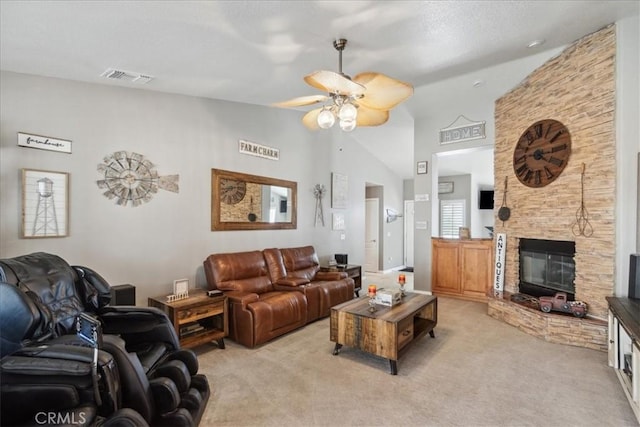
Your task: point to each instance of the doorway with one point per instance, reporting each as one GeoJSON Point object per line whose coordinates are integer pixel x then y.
{"type": "Point", "coordinates": [408, 233]}
{"type": "Point", "coordinates": [371, 244]}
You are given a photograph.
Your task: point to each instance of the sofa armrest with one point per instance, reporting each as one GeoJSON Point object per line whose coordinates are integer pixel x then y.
{"type": "Point", "coordinates": [95, 290]}
{"type": "Point", "coordinates": [292, 281]}
{"type": "Point", "coordinates": [138, 324]}
{"type": "Point", "coordinates": [241, 298]}
{"type": "Point", "coordinates": [330, 275]}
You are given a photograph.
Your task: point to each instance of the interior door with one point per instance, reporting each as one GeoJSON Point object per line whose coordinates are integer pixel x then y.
{"type": "Point", "coordinates": [408, 233]}
{"type": "Point", "coordinates": [371, 249]}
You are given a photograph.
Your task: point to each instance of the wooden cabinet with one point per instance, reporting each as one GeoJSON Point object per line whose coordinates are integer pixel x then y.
{"type": "Point", "coordinates": [197, 319]}
{"type": "Point", "coordinates": [462, 268]}
{"type": "Point", "coordinates": [624, 347]}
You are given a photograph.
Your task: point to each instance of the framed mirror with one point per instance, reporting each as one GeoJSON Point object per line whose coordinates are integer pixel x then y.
{"type": "Point", "coordinates": [240, 201]}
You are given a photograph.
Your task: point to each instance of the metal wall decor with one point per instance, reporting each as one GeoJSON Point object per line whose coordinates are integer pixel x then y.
{"type": "Point", "coordinates": [131, 179]}
{"type": "Point", "coordinates": [582, 226]}
{"type": "Point", "coordinates": [318, 193]}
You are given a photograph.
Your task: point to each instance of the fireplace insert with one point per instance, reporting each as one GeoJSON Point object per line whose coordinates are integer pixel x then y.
{"type": "Point", "coordinates": [547, 267]}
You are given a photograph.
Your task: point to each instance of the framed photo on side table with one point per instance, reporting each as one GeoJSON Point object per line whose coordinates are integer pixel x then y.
{"type": "Point", "coordinates": [181, 286]}
{"type": "Point", "coordinates": [45, 203]}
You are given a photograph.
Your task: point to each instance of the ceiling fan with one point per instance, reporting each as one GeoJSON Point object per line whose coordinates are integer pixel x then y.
{"type": "Point", "coordinates": [364, 100]}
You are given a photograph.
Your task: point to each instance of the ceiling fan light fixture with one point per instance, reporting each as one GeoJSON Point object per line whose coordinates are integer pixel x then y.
{"type": "Point", "coordinates": [326, 119]}
{"type": "Point", "coordinates": [348, 112]}
{"type": "Point", "coordinates": [364, 100]}
{"type": "Point", "coordinates": [347, 125]}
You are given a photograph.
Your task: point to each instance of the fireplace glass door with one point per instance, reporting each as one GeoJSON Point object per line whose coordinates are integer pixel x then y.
{"type": "Point", "coordinates": [551, 271]}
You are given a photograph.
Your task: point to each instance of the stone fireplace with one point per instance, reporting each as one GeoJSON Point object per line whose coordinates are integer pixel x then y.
{"type": "Point", "coordinates": [576, 88]}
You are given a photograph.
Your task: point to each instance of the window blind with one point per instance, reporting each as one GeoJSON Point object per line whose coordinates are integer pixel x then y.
{"type": "Point", "coordinates": [452, 214]}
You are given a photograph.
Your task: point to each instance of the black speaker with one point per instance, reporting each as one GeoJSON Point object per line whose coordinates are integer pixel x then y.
{"type": "Point", "coordinates": [342, 259]}
{"type": "Point", "coordinates": [123, 295]}
{"type": "Point", "coordinates": [634, 276]}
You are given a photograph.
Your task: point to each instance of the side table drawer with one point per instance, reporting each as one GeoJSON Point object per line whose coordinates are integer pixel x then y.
{"type": "Point", "coordinates": [405, 332]}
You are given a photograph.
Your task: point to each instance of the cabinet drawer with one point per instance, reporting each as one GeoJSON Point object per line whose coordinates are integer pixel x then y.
{"type": "Point", "coordinates": [405, 332]}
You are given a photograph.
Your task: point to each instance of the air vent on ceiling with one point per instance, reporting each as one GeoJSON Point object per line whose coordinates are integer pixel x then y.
{"type": "Point", "coordinates": [127, 76]}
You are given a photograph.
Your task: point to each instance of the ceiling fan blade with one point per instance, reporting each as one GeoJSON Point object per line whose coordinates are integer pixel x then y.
{"type": "Point", "coordinates": [301, 101]}
{"type": "Point", "coordinates": [371, 117]}
{"type": "Point", "coordinates": [383, 92]}
{"type": "Point", "coordinates": [310, 120]}
{"type": "Point", "coordinates": [331, 82]}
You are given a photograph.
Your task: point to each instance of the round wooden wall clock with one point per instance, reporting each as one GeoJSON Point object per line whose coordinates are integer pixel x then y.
{"type": "Point", "coordinates": [542, 153]}
{"type": "Point", "coordinates": [232, 191]}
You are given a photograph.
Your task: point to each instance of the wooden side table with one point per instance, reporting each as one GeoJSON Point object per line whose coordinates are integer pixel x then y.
{"type": "Point", "coordinates": [197, 319]}
{"type": "Point", "coordinates": [354, 271]}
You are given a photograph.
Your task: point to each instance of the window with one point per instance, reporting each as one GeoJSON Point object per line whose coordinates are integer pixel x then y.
{"type": "Point", "coordinates": [452, 214]}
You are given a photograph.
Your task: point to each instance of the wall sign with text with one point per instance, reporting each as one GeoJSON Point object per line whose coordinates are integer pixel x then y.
{"type": "Point", "coordinates": [44, 143]}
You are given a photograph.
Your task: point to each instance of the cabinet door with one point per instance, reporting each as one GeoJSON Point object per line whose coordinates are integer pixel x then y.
{"type": "Point", "coordinates": [444, 264]}
{"type": "Point", "coordinates": [475, 269]}
{"type": "Point", "coordinates": [613, 341]}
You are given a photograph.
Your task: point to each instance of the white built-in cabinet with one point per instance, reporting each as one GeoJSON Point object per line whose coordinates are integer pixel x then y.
{"type": "Point", "coordinates": [624, 347]}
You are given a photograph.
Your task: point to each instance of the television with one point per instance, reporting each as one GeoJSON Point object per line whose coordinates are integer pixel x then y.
{"type": "Point", "coordinates": [486, 199]}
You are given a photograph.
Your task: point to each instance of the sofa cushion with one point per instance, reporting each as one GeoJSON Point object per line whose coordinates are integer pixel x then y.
{"type": "Point", "coordinates": [301, 262]}
{"type": "Point", "coordinates": [275, 264]}
{"type": "Point", "coordinates": [239, 271]}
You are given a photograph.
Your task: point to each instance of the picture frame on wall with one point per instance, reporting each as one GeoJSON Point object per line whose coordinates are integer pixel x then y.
{"type": "Point", "coordinates": [421, 168]}
{"type": "Point", "coordinates": [45, 204]}
{"type": "Point", "coordinates": [339, 191]}
{"type": "Point", "coordinates": [445, 187]}
{"type": "Point", "coordinates": [338, 221]}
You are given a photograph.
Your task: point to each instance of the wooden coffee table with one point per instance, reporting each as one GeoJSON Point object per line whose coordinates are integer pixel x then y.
{"type": "Point", "coordinates": [387, 332]}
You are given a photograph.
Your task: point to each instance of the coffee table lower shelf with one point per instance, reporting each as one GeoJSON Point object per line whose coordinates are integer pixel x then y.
{"type": "Point", "coordinates": [387, 332]}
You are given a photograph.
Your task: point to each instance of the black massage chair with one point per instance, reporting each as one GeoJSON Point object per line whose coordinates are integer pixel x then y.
{"type": "Point", "coordinates": [138, 375]}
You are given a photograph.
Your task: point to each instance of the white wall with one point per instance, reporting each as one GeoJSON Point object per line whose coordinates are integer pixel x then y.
{"type": "Point", "coordinates": [151, 245]}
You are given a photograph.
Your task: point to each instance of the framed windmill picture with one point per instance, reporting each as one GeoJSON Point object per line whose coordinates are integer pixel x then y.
{"type": "Point", "coordinates": [45, 203]}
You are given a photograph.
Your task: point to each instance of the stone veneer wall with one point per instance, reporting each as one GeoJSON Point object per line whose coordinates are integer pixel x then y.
{"type": "Point", "coordinates": [576, 88]}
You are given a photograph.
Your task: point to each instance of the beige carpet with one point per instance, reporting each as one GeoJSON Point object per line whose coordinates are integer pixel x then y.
{"type": "Point", "coordinates": [476, 372]}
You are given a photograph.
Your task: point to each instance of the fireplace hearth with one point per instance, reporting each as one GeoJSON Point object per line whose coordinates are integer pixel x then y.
{"type": "Point", "coordinates": [547, 267]}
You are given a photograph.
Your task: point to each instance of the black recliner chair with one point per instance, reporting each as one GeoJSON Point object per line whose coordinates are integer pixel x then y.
{"type": "Point", "coordinates": [53, 384]}
{"type": "Point", "coordinates": [158, 379]}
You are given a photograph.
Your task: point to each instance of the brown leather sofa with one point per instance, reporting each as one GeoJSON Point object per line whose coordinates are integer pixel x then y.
{"type": "Point", "coordinates": [274, 291]}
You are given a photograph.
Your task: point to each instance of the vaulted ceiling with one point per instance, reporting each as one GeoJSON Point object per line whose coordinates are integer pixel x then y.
{"type": "Point", "coordinates": [257, 52]}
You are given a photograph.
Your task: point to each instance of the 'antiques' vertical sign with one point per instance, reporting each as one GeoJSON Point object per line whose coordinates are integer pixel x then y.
{"type": "Point", "coordinates": [501, 247]}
